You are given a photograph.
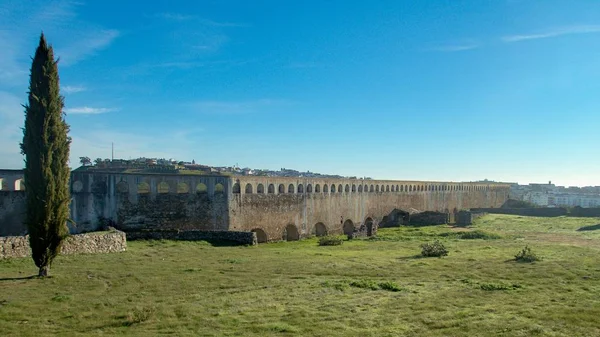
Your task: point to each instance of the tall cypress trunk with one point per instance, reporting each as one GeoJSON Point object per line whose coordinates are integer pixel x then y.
{"type": "Point", "coordinates": [46, 149]}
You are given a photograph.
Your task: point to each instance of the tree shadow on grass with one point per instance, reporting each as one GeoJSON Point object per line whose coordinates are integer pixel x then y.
{"type": "Point", "coordinates": [18, 278]}
{"type": "Point", "coordinates": [589, 228]}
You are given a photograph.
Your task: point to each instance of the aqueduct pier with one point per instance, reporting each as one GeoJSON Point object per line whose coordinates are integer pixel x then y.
{"type": "Point", "coordinates": [274, 207]}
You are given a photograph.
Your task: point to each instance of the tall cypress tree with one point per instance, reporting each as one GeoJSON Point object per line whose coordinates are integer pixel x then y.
{"type": "Point", "coordinates": [46, 149]}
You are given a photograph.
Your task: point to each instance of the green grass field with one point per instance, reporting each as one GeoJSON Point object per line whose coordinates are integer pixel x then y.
{"type": "Point", "coordinates": [377, 287]}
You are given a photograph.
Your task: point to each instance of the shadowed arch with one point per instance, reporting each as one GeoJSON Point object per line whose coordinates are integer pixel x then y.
{"type": "Point", "coordinates": [369, 225]}
{"type": "Point", "coordinates": [271, 189]}
{"type": "Point", "coordinates": [300, 188]}
{"type": "Point", "coordinates": [393, 188]}
{"type": "Point", "coordinates": [347, 188]}
{"type": "Point", "coordinates": [353, 188]}
{"type": "Point", "coordinates": [291, 188]}
{"type": "Point", "coordinates": [260, 189]}
{"type": "Point", "coordinates": [348, 227]}
{"type": "Point", "coordinates": [248, 189]}
{"type": "Point", "coordinates": [318, 188]}
{"type": "Point", "coordinates": [387, 188]}
{"type": "Point", "coordinates": [332, 188]}
{"type": "Point", "coordinates": [291, 233]}
{"type": "Point", "coordinates": [360, 187]}
{"type": "Point", "coordinates": [19, 185]}
{"type": "Point", "coordinates": [309, 188]}
{"type": "Point", "coordinates": [340, 188]}
{"type": "Point", "coordinates": [320, 229]}
{"type": "Point", "coordinates": [325, 188]}
{"type": "Point", "coordinates": [377, 188]}
{"type": "Point", "coordinates": [236, 188]}
{"type": "Point", "coordinates": [397, 188]}
{"type": "Point", "coordinates": [371, 189]}
{"type": "Point", "coordinates": [219, 188]}
{"type": "Point", "coordinates": [281, 189]}
{"type": "Point", "coordinates": [261, 236]}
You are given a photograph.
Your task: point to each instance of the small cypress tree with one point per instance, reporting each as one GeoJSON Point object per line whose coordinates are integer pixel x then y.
{"type": "Point", "coordinates": [46, 149]}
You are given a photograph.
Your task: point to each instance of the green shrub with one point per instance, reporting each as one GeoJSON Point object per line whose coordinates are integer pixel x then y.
{"type": "Point", "coordinates": [330, 241]}
{"type": "Point", "coordinates": [474, 235]}
{"type": "Point", "coordinates": [390, 286]}
{"type": "Point", "coordinates": [435, 249]}
{"type": "Point", "coordinates": [498, 286]}
{"type": "Point", "coordinates": [527, 255]}
{"type": "Point", "coordinates": [365, 284]}
{"type": "Point", "coordinates": [341, 286]}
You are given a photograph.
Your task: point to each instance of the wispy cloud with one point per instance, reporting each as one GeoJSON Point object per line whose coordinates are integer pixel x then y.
{"type": "Point", "coordinates": [570, 30]}
{"type": "Point", "coordinates": [186, 17]}
{"type": "Point", "coordinates": [239, 107]}
{"type": "Point", "coordinates": [88, 44]}
{"type": "Point", "coordinates": [88, 111]}
{"type": "Point", "coordinates": [455, 47]}
{"type": "Point", "coordinates": [71, 89]}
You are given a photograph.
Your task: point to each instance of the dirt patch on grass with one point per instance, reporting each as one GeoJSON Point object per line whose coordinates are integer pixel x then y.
{"type": "Point", "coordinates": [565, 239]}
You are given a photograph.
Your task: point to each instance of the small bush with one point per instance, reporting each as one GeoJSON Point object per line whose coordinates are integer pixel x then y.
{"type": "Point", "coordinates": [390, 286]}
{"type": "Point", "coordinates": [474, 235]}
{"type": "Point", "coordinates": [139, 315]}
{"type": "Point", "coordinates": [527, 255]}
{"type": "Point", "coordinates": [330, 241]}
{"type": "Point", "coordinates": [365, 284]}
{"type": "Point", "coordinates": [498, 286]}
{"type": "Point", "coordinates": [435, 249]}
{"type": "Point", "coordinates": [335, 285]}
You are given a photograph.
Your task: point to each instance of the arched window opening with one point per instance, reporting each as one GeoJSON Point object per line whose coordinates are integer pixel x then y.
{"type": "Point", "coordinates": [201, 188]}
{"type": "Point", "coordinates": [377, 188]}
{"type": "Point", "coordinates": [360, 188]}
{"type": "Point", "coordinates": [260, 189]}
{"type": "Point", "coordinates": [393, 188]}
{"type": "Point", "coordinates": [348, 227]}
{"type": "Point", "coordinates": [320, 229]}
{"type": "Point", "coordinates": [397, 188]}
{"type": "Point", "coordinates": [281, 189]}
{"type": "Point", "coordinates": [387, 188]}
{"type": "Point", "coordinates": [183, 188]}
{"type": "Point", "coordinates": [300, 188]}
{"type": "Point", "coordinates": [353, 188]}
{"type": "Point", "coordinates": [347, 188]}
{"type": "Point", "coordinates": [236, 188]}
{"type": "Point", "coordinates": [143, 188]}
{"type": "Point", "coordinates": [271, 189]}
{"type": "Point", "coordinates": [371, 189]}
{"type": "Point", "coordinates": [261, 236]}
{"type": "Point", "coordinates": [291, 233]}
{"type": "Point", "coordinates": [248, 189]}
{"type": "Point", "coordinates": [163, 187]}
{"type": "Point", "coordinates": [318, 188]}
{"type": "Point", "coordinates": [219, 188]}
{"type": "Point", "coordinates": [309, 188]}
{"type": "Point", "coordinates": [291, 188]}
{"type": "Point", "coordinates": [332, 188]}
{"type": "Point", "coordinates": [325, 188]}
{"type": "Point", "coordinates": [340, 188]}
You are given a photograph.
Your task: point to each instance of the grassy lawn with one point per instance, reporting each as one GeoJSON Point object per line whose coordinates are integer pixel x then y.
{"type": "Point", "coordinates": [299, 288]}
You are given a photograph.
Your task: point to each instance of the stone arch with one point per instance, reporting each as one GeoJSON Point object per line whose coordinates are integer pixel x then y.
{"type": "Point", "coordinates": [163, 187]}
{"type": "Point", "coordinates": [346, 188]}
{"type": "Point", "coordinates": [201, 188]}
{"type": "Point", "coordinates": [348, 227]}
{"type": "Point", "coordinates": [300, 188]}
{"type": "Point", "coordinates": [236, 188]}
{"type": "Point", "coordinates": [309, 188]}
{"type": "Point", "coordinates": [376, 188]}
{"type": "Point", "coordinates": [291, 233]}
{"type": "Point", "coordinates": [271, 189]}
{"type": "Point", "coordinates": [332, 188]}
{"type": "Point", "coordinates": [353, 188]}
{"type": "Point", "coordinates": [369, 225]}
{"type": "Point", "coordinates": [219, 188]}
{"type": "Point", "coordinates": [122, 187]}
{"type": "Point", "coordinates": [397, 188]}
{"type": "Point", "coordinates": [143, 188]}
{"type": "Point", "coordinates": [261, 236]}
{"type": "Point", "coordinates": [387, 188]}
{"type": "Point", "coordinates": [360, 187]}
{"type": "Point", "coordinates": [260, 189]}
{"type": "Point", "coordinates": [320, 229]}
{"type": "Point", "coordinates": [393, 189]}
{"type": "Point", "coordinates": [371, 189]}
{"type": "Point", "coordinates": [410, 188]}
{"type": "Point", "coordinates": [291, 188]}
{"type": "Point", "coordinates": [182, 188]}
{"type": "Point", "coordinates": [318, 188]}
{"type": "Point", "coordinates": [325, 188]}
{"type": "Point", "coordinates": [248, 188]}
{"type": "Point", "coordinates": [281, 189]}
{"type": "Point", "coordinates": [340, 188]}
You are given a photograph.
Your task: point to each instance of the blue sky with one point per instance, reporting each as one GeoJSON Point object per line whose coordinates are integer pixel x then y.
{"type": "Point", "coordinates": [425, 90]}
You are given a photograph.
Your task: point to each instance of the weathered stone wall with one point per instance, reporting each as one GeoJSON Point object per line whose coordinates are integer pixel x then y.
{"type": "Point", "coordinates": [136, 201]}
{"type": "Point", "coordinates": [585, 212]}
{"type": "Point", "coordinates": [429, 218]}
{"type": "Point", "coordinates": [243, 238]}
{"type": "Point", "coordinates": [306, 207]}
{"type": "Point", "coordinates": [541, 212]}
{"type": "Point", "coordinates": [89, 243]}
{"type": "Point", "coordinates": [12, 213]}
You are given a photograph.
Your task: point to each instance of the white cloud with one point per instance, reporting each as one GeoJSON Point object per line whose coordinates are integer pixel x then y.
{"type": "Point", "coordinates": [87, 44]}
{"type": "Point", "coordinates": [69, 89]}
{"type": "Point", "coordinates": [455, 47]}
{"type": "Point", "coordinates": [88, 111]}
{"type": "Point", "coordinates": [570, 30]}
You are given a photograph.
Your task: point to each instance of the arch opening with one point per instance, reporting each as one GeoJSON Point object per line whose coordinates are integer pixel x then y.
{"type": "Point", "coordinates": [317, 188]}
{"type": "Point", "coordinates": [201, 188]}
{"type": "Point", "coordinates": [182, 188]}
{"type": "Point", "coordinates": [300, 188]}
{"type": "Point", "coordinates": [281, 189]}
{"type": "Point", "coordinates": [369, 225]}
{"type": "Point", "coordinates": [163, 187]}
{"type": "Point", "coordinates": [348, 227]}
{"type": "Point", "coordinates": [309, 188]}
{"type": "Point", "coordinates": [271, 189]}
{"type": "Point", "coordinates": [291, 188]}
{"type": "Point", "coordinates": [248, 189]}
{"type": "Point", "coordinates": [143, 188]}
{"type": "Point", "coordinates": [219, 188]}
{"type": "Point", "coordinates": [291, 233]}
{"type": "Point", "coordinates": [261, 236]}
{"type": "Point", "coordinates": [320, 229]}
{"type": "Point", "coordinates": [236, 188]}
{"type": "Point", "coordinates": [260, 189]}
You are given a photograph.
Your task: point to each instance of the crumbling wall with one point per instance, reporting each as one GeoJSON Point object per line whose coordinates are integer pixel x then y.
{"type": "Point", "coordinates": [89, 243]}
{"type": "Point", "coordinates": [243, 238]}
{"type": "Point", "coordinates": [12, 213]}
{"type": "Point", "coordinates": [429, 218]}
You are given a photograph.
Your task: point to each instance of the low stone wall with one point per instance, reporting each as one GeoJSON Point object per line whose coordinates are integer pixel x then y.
{"type": "Point", "coordinates": [89, 243]}
{"type": "Point", "coordinates": [541, 212]}
{"type": "Point", "coordinates": [466, 218]}
{"type": "Point", "coordinates": [428, 218]}
{"type": "Point", "coordinates": [585, 212]}
{"type": "Point", "coordinates": [362, 232]}
{"type": "Point", "coordinates": [242, 238]}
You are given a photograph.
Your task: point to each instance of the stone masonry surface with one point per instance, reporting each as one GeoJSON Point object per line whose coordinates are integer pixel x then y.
{"type": "Point", "coordinates": [242, 238]}
{"type": "Point", "coordinates": [89, 243]}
